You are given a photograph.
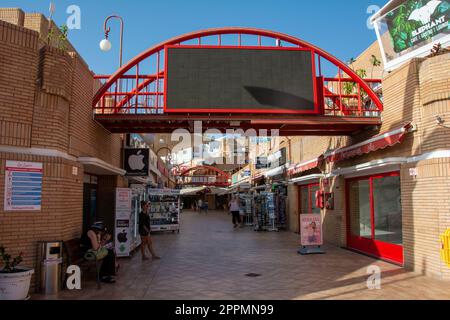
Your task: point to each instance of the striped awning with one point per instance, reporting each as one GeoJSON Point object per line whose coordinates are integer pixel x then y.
{"type": "Point", "coordinates": [378, 142]}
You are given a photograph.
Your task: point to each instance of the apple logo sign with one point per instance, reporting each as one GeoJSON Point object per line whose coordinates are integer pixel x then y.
{"type": "Point", "coordinates": [135, 161]}
{"type": "Point", "coordinates": [122, 237]}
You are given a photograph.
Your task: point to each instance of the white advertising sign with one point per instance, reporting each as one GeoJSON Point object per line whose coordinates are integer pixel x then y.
{"type": "Point", "coordinates": [123, 199]}
{"type": "Point", "coordinates": [122, 239]}
{"type": "Point", "coordinates": [23, 186]}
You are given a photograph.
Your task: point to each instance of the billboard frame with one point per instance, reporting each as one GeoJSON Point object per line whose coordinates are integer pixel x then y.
{"type": "Point", "coordinates": [316, 111]}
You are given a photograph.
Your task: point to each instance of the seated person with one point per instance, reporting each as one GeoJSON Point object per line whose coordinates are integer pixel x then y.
{"type": "Point", "coordinates": [96, 245]}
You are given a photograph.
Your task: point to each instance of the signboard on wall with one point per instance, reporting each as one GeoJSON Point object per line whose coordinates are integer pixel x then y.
{"type": "Point", "coordinates": [23, 186]}
{"type": "Point", "coordinates": [137, 162]}
{"type": "Point", "coordinates": [311, 230]}
{"type": "Point", "coordinates": [123, 235]}
{"type": "Point", "coordinates": [261, 163]}
{"type": "Point", "coordinates": [240, 80]}
{"type": "Point", "coordinates": [416, 21]}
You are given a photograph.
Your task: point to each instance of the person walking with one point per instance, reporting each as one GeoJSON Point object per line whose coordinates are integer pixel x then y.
{"type": "Point", "coordinates": [234, 209]}
{"type": "Point", "coordinates": [200, 205]}
{"type": "Point", "coordinates": [144, 232]}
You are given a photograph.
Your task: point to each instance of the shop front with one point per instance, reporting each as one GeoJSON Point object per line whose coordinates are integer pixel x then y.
{"type": "Point", "coordinates": [374, 215]}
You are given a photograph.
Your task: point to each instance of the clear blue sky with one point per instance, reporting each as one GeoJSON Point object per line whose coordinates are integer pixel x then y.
{"type": "Point", "coordinates": [338, 26]}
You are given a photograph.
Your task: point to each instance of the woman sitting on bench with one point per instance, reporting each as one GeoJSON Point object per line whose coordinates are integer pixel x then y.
{"type": "Point", "coordinates": [95, 242]}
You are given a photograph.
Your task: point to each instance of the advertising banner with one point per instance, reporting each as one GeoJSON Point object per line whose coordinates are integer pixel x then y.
{"type": "Point", "coordinates": [122, 222]}
{"type": "Point", "coordinates": [311, 230]}
{"type": "Point", "coordinates": [164, 192]}
{"type": "Point", "coordinates": [416, 21]}
{"type": "Point", "coordinates": [23, 186]}
{"type": "Point", "coordinates": [276, 80]}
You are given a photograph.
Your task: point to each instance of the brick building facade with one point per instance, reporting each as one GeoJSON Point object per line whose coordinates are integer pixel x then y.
{"type": "Point", "coordinates": [46, 117]}
{"type": "Point", "coordinates": [416, 94]}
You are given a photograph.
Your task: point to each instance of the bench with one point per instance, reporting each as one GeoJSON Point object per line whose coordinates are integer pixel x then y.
{"type": "Point", "coordinates": [75, 256]}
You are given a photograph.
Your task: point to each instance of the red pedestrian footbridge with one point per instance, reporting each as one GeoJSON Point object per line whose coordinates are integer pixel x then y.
{"type": "Point", "coordinates": [237, 78]}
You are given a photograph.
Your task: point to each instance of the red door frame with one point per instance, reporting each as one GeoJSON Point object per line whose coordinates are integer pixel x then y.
{"type": "Point", "coordinates": [383, 250]}
{"type": "Point", "coordinates": [310, 202]}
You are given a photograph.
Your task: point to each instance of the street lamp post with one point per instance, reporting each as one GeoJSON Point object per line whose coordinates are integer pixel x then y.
{"type": "Point", "coordinates": [105, 44]}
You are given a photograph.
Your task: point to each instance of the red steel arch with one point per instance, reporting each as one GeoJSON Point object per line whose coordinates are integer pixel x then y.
{"type": "Point", "coordinates": [136, 89]}
{"type": "Point", "coordinates": [211, 168]}
{"type": "Point", "coordinates": [222, 179]}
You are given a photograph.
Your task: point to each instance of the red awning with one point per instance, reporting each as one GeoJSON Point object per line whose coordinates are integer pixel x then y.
{"type": "Point", "coordinates": [304, 166]}
{"type": "Point", "coordinates": [258, 176]}
{"type": "Point", "coordinates": [378, 142]}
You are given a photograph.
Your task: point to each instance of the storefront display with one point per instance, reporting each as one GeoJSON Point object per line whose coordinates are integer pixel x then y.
{"type": "Point", "coordinates": [264, 212]}
{"type": "Point", "coordinates": [375, 216]}
{"type": "Point", "coordinates": [164, 209]}
{"type": "Point", "coordinates": [246, 201]}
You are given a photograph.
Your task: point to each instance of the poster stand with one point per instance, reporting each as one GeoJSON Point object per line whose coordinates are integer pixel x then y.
{"type": "Point", "coordinates": [305, 250]}
{"type": "Point", "coordinates": [311, 234]}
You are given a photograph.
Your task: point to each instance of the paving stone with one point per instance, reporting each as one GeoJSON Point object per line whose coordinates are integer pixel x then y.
{"type": "Point", "coordinates": [209, 260]}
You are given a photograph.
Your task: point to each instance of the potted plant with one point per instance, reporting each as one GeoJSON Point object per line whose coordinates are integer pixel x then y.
{"type": "Point", "coordinates": [14, 281]}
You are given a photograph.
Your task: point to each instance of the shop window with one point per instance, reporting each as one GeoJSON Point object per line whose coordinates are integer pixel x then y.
{"type": "Point", "coordinates": [360, 215]}
{"type": "Point", "coordinates": [375, 216]}
{"type": "Point", "coordinates": [387, 210]}
{"type": "Point", "coordinates": [308, 198]}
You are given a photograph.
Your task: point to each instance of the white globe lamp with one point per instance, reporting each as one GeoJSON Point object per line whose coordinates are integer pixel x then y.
{"type": "Point", "coordinates": [105, 45]}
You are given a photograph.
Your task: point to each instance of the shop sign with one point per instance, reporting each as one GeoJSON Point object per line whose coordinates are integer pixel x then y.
{"type": "Point", "coordinates": [137, 162]}
{"type": "Point", "coordinates": [164, 192]}
{"type": "Point", "coordinates": [416, 21]}
{"type": "Point", "coordinates": [311, 230]}
{"type": "Point", "coordinates": [245, 186]}
{"type": "Point", "coordinates": [261, 163]}
{"type": "Point", "coordinates": [23, 186]}
{"type": "Point", "coordinates": [246, 173]}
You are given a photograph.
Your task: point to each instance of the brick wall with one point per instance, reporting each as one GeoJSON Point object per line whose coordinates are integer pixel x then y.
{"type": "Point", "coordinates": [19, 58]}
{"type": "Point", "coordinates": [61, 213]}
{"type": "Point", "coordinates": [45, 103]}
{"type": "Point", "coordinates": [417, 92]}
{"type": "Point", "coordinates": [13, 15]}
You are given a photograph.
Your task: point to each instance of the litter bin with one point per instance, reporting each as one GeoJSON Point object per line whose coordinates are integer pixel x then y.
{"type": "Point", "coordinates": [50, 257]}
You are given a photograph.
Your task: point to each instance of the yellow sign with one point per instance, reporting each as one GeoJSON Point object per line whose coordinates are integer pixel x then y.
{"type": "Point", "coordinates": [445, 247]}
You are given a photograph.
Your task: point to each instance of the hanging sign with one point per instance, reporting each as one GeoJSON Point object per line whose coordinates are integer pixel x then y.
{"type": "Point", "coordinates": [311, 230]}
{"type": "Point", "coordinates": [23, 186]}
{"type": "Point", "coordinates": [137, 162]}
{"type": "Point", "coordinates": [416, 21]}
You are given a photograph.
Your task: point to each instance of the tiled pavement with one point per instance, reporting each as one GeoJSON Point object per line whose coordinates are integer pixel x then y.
{"type": "Point", "coordinates": [209, 260]}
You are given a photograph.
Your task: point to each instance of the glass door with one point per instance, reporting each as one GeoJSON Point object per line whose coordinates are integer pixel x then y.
{"type": "Point", "coordinates": [307, 200]}
{"type": "Point", "coordinates": [375, 216]}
